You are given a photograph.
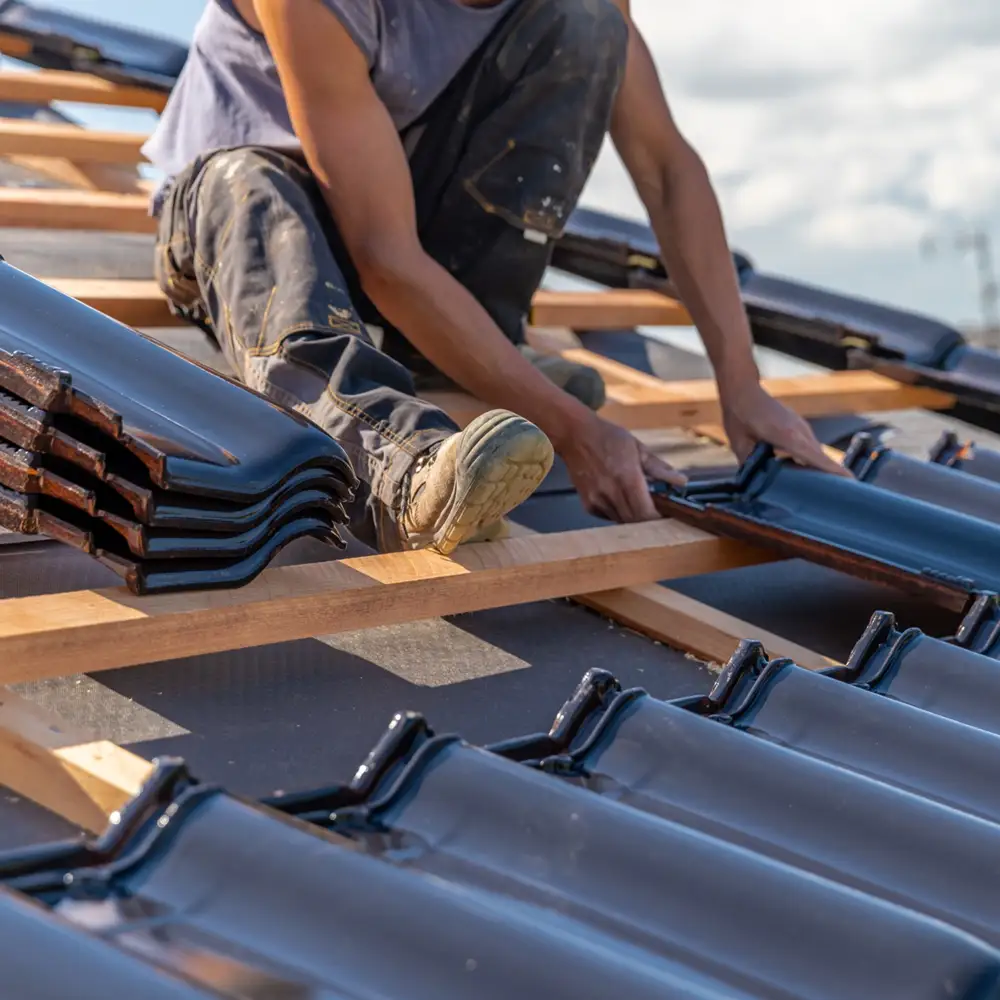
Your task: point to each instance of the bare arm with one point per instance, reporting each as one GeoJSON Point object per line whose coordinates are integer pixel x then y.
{"type": "Point", "coordinates": [353, 149]}
{"type": "Point", "coordinates": [684, 212]}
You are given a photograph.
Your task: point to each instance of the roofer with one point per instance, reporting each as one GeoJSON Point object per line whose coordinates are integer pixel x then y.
{"type": "Point", "coordinates": [338, 168]}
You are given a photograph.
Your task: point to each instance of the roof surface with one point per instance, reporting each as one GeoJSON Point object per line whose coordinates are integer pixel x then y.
{"type": "Point", "coordinates": [291, 714]}
{"type": "Point", "coordinates": [780, 836]}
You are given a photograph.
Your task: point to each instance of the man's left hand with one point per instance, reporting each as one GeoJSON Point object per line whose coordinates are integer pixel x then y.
{"type": "Point", "coordinates": [752, 416]}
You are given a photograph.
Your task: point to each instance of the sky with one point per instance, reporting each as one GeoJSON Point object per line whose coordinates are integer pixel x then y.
{"type": "Point", "coordinates": [838, 135]}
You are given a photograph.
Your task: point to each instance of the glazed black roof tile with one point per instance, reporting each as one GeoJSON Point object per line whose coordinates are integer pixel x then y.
{"type": "Point", "coordinates": [33, 429]}
{"type": "Point", "coordinates": [980, 629]}
{"type": "Point", "coordinates": [780, 307]}
{"type": "Point", "coordinates": [174, 561]}
{"type": "Point", "coordinates": [881, 737]}
{"type": "Point", "coordinates": [629, 253]}
{"type": "Point", "coordinates": [934, 483]}
{"type": "Point", "coordinates": [171, 572]}
{"type": "Point", "coordinates": [155, 543]}
{"type": "Point", "coordinates": [847, 525]}
{"type": "Point", "coordinates": [945, 677]}
{"type": "Point", "coordinates": [45, 956]}
{"type": "Point", "coordinates": [684, 766]}
{"type": "Point", "coordinates": [171, 475]}
{"type": "Point", "coordinates": [969, 457]}
{"type": "Point", "coordinates": [169, 509]}
{"type": "Point", "coordinates": [645, 847]}
{"type": "Point", "coordinates": [25, 472]}
{"type": "Point", "coordinates": [193, 430]}
{"type": "Point", "coordinates": [66, 41]}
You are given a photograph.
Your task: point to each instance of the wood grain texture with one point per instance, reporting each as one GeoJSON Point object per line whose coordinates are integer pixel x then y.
{"type": "Point", "coordinates": [692, 626]}
{"type": "Point", "coordinates": [70, 142]}
{"type": "Point", "coordinates": [640, 402]}
{"type": "Point", "coordinates": [81, 779]}
{"type": "Point", "coordinates": [14, 46]}
{"type": "Point", "coordinates": [637, 400]}
{"type": "Point", "coordinates": [79, 88]}
{"type": "Point", "coordinates": [684, 623]}
{"type": "Point", "coordinates": [135, 302]}
{"type": "Point", "coordinates": [84, 175]}
{"type": "Point", "coordinates": [86, 631]}
{"type": "Point", "coordinates": [119, 298]}
{"type": "Point", "coordinates": [34, 208]}
{"type": "Point", "coordinates": [607, 310]}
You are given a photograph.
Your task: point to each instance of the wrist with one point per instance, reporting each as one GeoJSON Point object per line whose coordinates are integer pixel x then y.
{"type": "Point", "coordinates": [737, 376]}
{"type": "Point", "coordinates": [565, 422]}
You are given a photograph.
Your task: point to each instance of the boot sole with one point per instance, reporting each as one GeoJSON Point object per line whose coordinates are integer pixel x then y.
{"type": "Point", "coordinates": [502, 460]}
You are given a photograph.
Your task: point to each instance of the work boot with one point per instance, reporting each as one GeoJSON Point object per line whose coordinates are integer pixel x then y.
{"type": "Point", "coordinates": [580, 381]}
{"type": "Point", "coordinates": [462, 488]}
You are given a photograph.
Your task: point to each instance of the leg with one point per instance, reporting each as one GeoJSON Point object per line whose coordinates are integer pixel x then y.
{"type": "Point", "coordinates": [502, 157]}
{"type": "Point", "coordinates": [248, 251]}
{"type": "Point", "coordinates": [245, 252]}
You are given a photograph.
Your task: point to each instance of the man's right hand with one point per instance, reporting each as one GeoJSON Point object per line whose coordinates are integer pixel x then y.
{"type": "Point", "coordinates": [611, 470]}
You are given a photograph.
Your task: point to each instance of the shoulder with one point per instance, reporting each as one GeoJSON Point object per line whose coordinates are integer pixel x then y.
{"type": "Point", "coordinates": [361, 18]}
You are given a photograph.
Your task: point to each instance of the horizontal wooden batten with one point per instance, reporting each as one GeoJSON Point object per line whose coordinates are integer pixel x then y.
{"type": "Point", "coordinates": [84, 175]}
{"type": "Point", "coordinates": [135, 302]}
{"type": "Point", "coordinates": [635, 400]}
{"type": "Point", "coordinates": [70, 142]}
{"type": "Point", "coordinates": [130, 301]}
{"type": "Point", "coordinates": [577, 310]}
{"type": "Point", "coordinates": [80, 88]}
{"type": "Point", "coordinates": [648, 403]}
{"type": "Point", "coordinates": [34, 208]}
{"type": "Point", "coordinates": [85, 631]}
{"type": "Point", "coordinates": [607, 310]}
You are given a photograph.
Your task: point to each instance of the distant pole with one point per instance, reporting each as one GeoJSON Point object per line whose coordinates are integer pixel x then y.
{"type": "Point", "coordinates": [978, 243]}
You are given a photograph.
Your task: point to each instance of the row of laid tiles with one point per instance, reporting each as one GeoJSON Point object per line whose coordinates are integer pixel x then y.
{"type": "Point", "coordinates": [868, 526]}
{"type": "Point", "coordinates": [786, 835]}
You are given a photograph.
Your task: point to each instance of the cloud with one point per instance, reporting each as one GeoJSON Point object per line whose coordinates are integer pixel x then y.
{"type": "Point", "coordinates": [831, 129]}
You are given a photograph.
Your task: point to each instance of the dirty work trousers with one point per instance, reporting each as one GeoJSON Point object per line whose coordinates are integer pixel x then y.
{"type": "Point", "coordinates": [248, 251]}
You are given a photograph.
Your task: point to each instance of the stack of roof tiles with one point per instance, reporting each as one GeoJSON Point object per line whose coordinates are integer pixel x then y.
{"type": "Point", "coordinates": [172, 475]}
{"type": "Point", "coordinates": [787, 835]}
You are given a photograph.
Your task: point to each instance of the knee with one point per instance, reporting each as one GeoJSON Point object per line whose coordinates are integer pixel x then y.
{"type": "Point", "coordinates": [589, 35]}
{"type": "Point", "coordinates": [231, 173]}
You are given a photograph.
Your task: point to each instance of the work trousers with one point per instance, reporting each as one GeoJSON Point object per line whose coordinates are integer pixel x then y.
{"type": "Point", "coordinates": [248, 251]}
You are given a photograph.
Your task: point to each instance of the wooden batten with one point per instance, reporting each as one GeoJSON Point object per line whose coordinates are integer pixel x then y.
{"type": "Point", "coordinates": [607, 310]}
{"type": "Point", "coordinates": [35, 208]}
{"type": "Point", "coordinates": [60, 634]}
{"type": "Point", "coordinates": [82, 779]}
{"type": "Point", "coordinates": [42, 87]}
{"type": "Point", "coordinates": [69, 142]}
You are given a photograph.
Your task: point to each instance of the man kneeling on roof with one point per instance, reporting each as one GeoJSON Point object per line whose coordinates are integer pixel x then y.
{"type": "Point", "coordinates": [338, 166]}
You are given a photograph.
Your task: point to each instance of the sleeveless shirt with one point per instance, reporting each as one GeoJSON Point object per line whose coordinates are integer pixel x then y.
{"type": "Point", "coordinates": [229, 94]}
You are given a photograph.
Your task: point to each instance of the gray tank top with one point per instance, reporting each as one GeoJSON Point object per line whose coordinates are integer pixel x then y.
{"type": "Point", "coordinates": [229, 94]}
